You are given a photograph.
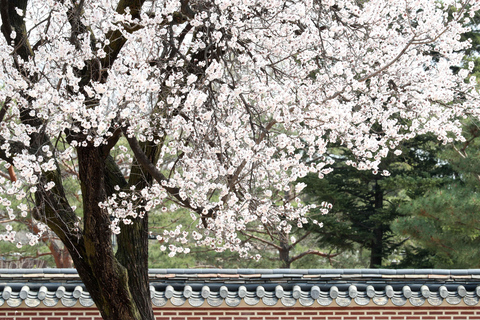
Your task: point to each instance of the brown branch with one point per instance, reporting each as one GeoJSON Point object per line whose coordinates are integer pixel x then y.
{"type": "Point", "coordinates": [412, 41]}
{"type": "Point", "coordinates": [4, 175]}
{"type": "Point", "coordinates": [388, 64]}
{"type": "Point", "coordinates": [314, 252]}
{"type": "Point", "coordinates": [300, 240]}
{"type": "Point", "coordinates": [37, 255]}
{"type": "Point", "coordinates": [11, 173]}
{"type": "Point", "coordinates": [253, 230]}
{"type": "Point", "coordinates": [261, 240]}
{"type": "Point", "coordinates": [267, 227]}
{"type": "Point", "coordinates": [69, 169]}
{"type": "Point", "coordinates": [111, 142]}
{"type": "Point", "coordinates": [76, 26]}
{"type": "Point", "coordinates": [233, 178]}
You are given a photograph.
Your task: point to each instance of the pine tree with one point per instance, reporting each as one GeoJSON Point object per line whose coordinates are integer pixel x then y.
{"type": "Point", "coordinates": [445, 221]}
{"type": "Point", "coordinates": [365, 203]}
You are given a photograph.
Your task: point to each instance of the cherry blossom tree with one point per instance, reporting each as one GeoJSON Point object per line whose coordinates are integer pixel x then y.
{"type": "Point", "coordinates": [219, 101]}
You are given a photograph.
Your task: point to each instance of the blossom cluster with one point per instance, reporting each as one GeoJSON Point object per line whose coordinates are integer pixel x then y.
{"type": "Point", "coordinates": [242, 98]}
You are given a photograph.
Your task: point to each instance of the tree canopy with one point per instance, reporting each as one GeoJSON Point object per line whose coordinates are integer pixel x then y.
{"type": "Point", "coordinates": [214, 106]}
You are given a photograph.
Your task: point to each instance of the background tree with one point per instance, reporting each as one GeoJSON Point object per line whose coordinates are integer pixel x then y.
{"type": "Point", "coordinates": [214, 98]}
{"type": "Point", "coordinates": [285, 248]}
{"type": "Point", "coordinates": [445, 219]}
{"type": "Point", "coordinates": [365, 203]}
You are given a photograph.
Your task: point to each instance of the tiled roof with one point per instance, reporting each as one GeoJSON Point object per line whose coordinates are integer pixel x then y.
{"type": "Point", "coordinates": [281, 287]}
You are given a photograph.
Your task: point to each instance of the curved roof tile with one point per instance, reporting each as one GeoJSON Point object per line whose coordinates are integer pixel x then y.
{"type": "Point", "coordinates": [283, 287]}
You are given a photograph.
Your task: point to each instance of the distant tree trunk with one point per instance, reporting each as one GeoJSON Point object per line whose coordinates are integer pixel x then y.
{"type": "Point", "coordinates": [284, 255]}
{"type": "Point", "coordinates": [60, 255]}
{"type": "Point", "coordinates": [376, 248]}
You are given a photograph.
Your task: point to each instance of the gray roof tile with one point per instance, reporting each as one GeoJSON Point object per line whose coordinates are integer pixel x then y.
{"type": "Point", "coordinates": [202, 287]}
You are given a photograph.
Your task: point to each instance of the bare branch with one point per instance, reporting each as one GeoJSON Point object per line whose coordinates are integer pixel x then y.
{"type": "Point", "coordinates": [261, 240]}
{"type": "Point", "coordinates": [314, 252]}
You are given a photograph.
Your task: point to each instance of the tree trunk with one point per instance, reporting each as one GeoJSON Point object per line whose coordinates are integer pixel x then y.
{"type": "Point", "coordinates": [118, 285]}
{"type": "Point", "coordinates": [376, 248]}
{"type": "Point", "coordinates": [284, 254]}
{"type": "Point", "coordinates": [107, 280]}
{"type": "Point", "coordinates": [133, 240]}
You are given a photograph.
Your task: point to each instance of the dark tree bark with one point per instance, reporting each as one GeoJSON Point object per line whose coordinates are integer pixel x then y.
{"type": "Point", "coordinates": [107, 278]}
{"type": "Point", "coordinates": [133, 240]}
{"type": "Point", "coordinates": [117, 283]}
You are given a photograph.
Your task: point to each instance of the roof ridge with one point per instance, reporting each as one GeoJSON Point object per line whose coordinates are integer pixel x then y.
{"type": "Point", "coordinates": [270, 271]}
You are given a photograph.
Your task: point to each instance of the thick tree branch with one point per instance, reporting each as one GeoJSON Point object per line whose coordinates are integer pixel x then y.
{"type": "Point", "coordinates": [232, 180]}
{"type": "Point", "coordinates": [12, 21]}
{"type": "Point", "coordinates": [117, 40]}
{"type": "Point", "coordinates": [373, 74]}
{"type": "Point", "coordinates": [15, 147]}
{"type": "Point", "coordinates": [158, 176]}
{"type": "Point", "coordinates": [111, 142]}
{"type": "Point", "coordinates": [4, 109]}
{"type": "Point", "coordinates": [77, 27]}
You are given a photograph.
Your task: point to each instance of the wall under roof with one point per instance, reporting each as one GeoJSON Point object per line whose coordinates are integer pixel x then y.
{"type": "Point", "coordinates": [221, 294]}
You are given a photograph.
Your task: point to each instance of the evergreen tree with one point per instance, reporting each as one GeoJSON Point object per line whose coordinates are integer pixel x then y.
{"type": "Point", "coordinates": [365, 203]}
{"type": "Point", "coordinates": [446, 219]}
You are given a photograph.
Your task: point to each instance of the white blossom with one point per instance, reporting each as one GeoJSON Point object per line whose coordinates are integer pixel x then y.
{"type": "Point", "coordinates": [234, 100]}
